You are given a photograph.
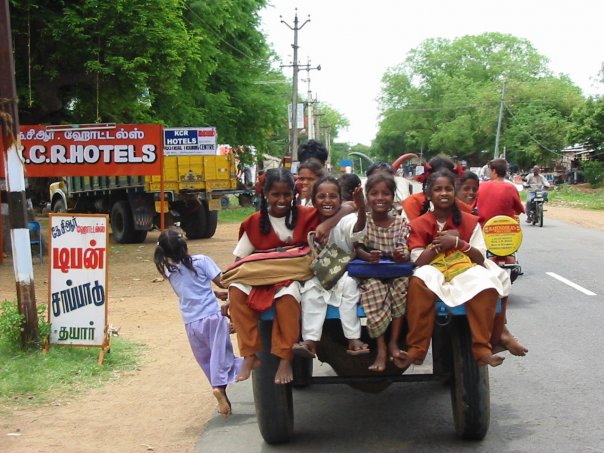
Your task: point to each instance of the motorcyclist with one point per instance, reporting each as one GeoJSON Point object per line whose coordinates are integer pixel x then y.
{"type": "Point", "coordinates": [534, 181]}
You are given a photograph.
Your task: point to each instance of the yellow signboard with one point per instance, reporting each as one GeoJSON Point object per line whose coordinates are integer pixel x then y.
{"type": "Point", "coordinates": [502, 235]}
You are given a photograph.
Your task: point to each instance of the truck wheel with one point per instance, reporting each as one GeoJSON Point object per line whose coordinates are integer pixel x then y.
{"type": "Point", "coordinates": [274, 402]}
{"type": "Point", "coordinates": [59, 206]}
{"type": "Point", "coordinates": [139, 236]}
{"type": "Point", "coordinates": [245, 200]}
{"type": "Point", "coordinates": [212, 224]}
{"type": "Point", "coordinates": [470, 398]}
{"type": "Point", "coordinates": [122, 224]}
{"type": "Point", "coordinates": [195, 224]}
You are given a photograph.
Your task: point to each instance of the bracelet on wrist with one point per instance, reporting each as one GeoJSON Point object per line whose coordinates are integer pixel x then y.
{"type": "Point", "coordinates": [467, 249]}
{"type": "Point", "coordinates": [456, 242]}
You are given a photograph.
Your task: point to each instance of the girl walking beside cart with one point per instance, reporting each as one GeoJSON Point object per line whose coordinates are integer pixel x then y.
{"type": "Point", "coordinates": [207, 329]}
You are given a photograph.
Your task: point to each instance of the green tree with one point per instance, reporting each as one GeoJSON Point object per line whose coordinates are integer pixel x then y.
{"type": "Point", "coordinates": [588, 126]}
{"type": "Point", "coordinates": [177, 62]}
{"type": "Point", "coordinates": [444, 98]}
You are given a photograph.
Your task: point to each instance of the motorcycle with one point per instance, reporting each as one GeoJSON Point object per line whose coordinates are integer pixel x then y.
{"type": "Point", "coordinates": [534, 214]}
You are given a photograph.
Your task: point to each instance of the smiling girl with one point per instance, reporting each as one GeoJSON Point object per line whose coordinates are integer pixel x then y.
{"type": "Point", "coordinates": [278, 223]}
{"type": "Point", "coordinates": [326, 197]}
{"type": "Point", "coordinates": [448, 230]}
{"type": "Point", "coordinates": [384, 301]}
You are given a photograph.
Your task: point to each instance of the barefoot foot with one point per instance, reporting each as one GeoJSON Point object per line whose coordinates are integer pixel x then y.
{"type": "Point", "coordinates": [394, 351]}
{"type": "Point", "coordinates": [511, 343]}
{"type": "Point", "coordinates": [250, 362]}
{"type": "Point", "coordinates": [405, 361]}
{"type": "Point", "coordinates": [379, 365]}
{"type": "Point", "coordinates": [491, 359]}
{"type": "Point", "coordinates": [224, 405]}
{"type": "Point", "coordinates": [284, 374]}
{"type": "Point", "coordinates": [357, 347]}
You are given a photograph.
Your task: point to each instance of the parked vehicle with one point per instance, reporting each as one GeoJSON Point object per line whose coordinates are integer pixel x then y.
{"type": "Point", "coordinates": [193, 189]}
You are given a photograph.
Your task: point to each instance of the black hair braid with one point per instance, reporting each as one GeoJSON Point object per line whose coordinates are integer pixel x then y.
{"type": "Point", "coordinates": [292, 217]}
{"type": "Point", "coordinates": [172, 249]}
{"type": "Point", "coordinates": [456, 215]}
{"type": "Point", "coordinates": [425, 207]}
{"type": "Point", "coordinates": [265, 223]}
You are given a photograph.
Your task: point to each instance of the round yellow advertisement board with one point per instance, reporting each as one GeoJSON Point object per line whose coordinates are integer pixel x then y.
{"type": "Point", "coordinates": [502, 235]}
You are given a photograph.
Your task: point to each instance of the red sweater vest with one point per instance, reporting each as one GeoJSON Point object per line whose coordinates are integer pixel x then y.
{"type": "Point", "coordinates": [308, 219]}
{"type": "Point", "coordinates": [424, 229]}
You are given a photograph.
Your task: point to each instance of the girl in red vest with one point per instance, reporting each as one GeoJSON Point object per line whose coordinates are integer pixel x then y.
{"type": "Point", "coordinates": [280, 222]}
{"type": "Point", "coordinates": [478, 283]}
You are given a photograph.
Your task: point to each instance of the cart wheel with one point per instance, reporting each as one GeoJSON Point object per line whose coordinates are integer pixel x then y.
{"type": "Point", "coordinates": [274, 403]}
{"type": "Point", "coordinates": [470, 397]}
{"type": "Point", "coordinates": [302, 372]}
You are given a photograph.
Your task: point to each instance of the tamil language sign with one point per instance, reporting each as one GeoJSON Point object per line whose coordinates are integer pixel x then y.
{"type": "Point", "coordinates": [78, 279]}
{"type": "Point", "coordinates": [190, 141]}
{"type": "Point", "coordinates": [97, 150]}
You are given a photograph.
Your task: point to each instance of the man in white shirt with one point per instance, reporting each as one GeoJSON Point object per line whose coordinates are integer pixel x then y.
{"type": "Point", "coordinates": [534, 181]}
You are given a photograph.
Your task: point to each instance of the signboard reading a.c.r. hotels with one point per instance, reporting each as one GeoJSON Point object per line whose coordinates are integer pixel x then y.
{"type": "Point", "coordinates": [91, 150]}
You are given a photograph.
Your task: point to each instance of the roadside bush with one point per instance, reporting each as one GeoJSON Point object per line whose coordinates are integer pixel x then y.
{"type": "Point", "coordinates": [594, 172]}
{"type": "Point", "coordinates": [11, 324]}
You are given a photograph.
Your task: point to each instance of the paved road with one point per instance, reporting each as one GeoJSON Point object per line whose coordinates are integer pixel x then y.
{"type": "Point", "coordinates": [550, 400]}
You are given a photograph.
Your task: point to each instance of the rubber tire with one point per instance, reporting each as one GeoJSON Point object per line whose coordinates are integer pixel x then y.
{"type": "Point", "coordinates": [59, 206]}
{"type": "Point", "coordinates": [274, 402]}
{"type": "Point", "coordinates": [302, 372]}
{"type": "Point", "coordinates": [122, 224]}
{"type": "Point", "coordinates": [139, 236]}
{"type": "Point", "coordinates": [195, 223]}
{"type": "Point", "coordinates": [224, 202]}
{"type": "Point", "coordinates": [212, 221]}
{"type": "Point", "coordinates": [539, 213]}
{"type": "Point", "coordinates": [470, 396]}
{"type": "Point", "coordinates": [245, 200]}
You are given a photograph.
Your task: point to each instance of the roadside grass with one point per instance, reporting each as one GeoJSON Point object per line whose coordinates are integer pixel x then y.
{"type": "Point", "coordinates": [35, 377]}
{"type": "Point", "coordinates": [577, 197]}
{"type": "Point", "coordinates": [235, 214]}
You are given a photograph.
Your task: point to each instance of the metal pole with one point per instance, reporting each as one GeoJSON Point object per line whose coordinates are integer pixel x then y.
{"type": "Point", "coordinates": [15, 181]}
{"type": "Point", "coordinates": [294, 132]}
{"type": "Point", "coordinates": [496, 152]}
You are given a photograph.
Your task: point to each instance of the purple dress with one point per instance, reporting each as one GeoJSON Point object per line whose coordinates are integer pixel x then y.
{"type": "Point", "coordinates": [207, 329]}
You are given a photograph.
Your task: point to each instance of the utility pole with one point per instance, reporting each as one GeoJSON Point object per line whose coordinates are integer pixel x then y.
{"type": "Point", "coordinates": [501, 102]}
{"type": "Point", "coordinates": [15, 181]}
{"type": "Point", "coordinates": [310, 102]}
{"type": "Point", "coordinates": [293, 143]}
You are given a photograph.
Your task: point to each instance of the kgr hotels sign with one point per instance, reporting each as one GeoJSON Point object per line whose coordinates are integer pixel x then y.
{"type": "Point", "coordinates": [94, 150]}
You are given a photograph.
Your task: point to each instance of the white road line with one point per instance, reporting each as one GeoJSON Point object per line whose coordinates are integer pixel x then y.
{"type": "Point", "coordinates": [571, 284]}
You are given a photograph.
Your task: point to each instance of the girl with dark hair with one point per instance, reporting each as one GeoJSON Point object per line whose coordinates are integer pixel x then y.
{"type": "Point", "coordinates": [384, 302]}
{"type": "Point", "coordinates": [309, 172]}
{"type": "Point", "coordinates": [280, 222]}
{"type": "Point", "coordinates": [416, 204]}
{"type": "Point", "coordinates": [446, 233]}
{"type": "Point", "coordinates": [191, 279]}
{"type": "Point", "coordinates": [345, 294]}
{"type": "Point", "coordinates": [467, 187]}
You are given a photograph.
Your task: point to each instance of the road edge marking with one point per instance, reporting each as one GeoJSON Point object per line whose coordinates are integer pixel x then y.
{"type": "Point", "coordinates": [571, 284]}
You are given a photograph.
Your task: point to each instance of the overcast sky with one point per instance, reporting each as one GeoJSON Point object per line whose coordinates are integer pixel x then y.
{"type": "Point", "coordinates": [356, 41]}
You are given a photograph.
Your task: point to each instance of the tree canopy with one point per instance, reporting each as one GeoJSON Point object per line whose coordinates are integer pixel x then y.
{"type": "Point", "coordinates": [445, 98]}
{"type": "Point", "coordinates": [178, 62]}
